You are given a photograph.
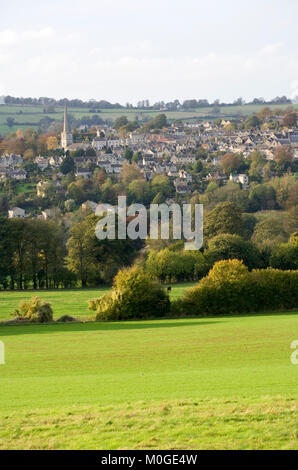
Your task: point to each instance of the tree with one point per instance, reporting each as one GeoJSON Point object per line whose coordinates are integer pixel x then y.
{"type": "Point", "coordinates": [224, 218]}
{"type": "Point", "coordinates": [139, 191]}
{"type": "Point", "coordinates": [68, 165]}
{"type": "Point", "coordinates": [52, 142]}
{"type": "Point", "coordinates": [228, 246]}
{"type": "Point", "coordinates": [70, 205]}
{"type": "Point", "coordinates": [130, 173]}
{"type": "Point", "coordinates": [169, 265]}
{"type": "Point", "coordinates": [225, 271]}
{"type": "Point", "coordinates": [161, 184]}
{"type": "Point", "coordinates": [128, 154]}
{"type": "Point", "coordinates": [75, 192]}
{"type": "Point", "coordinates": [248, 224]}
{"type": "Point", "coordinates": [252, 121]}
{"type": "Point", "coordinates": [262, 197]}
{"type": "Point", "coordinates": [133, 295]}
{"type": "Point", "coordinates": [283, 157]}
{"type": "Point", "coordinates": [258, 162]}
{"type": "Point", "coordinates": [290, 120]}
{"type": "Point", "coordinates": [10, 121]}
{"type": "Point", "coordinates": [284, 256]}
{"type": "Point", "coordinates": [80, 253]}
{"type": "Point", "coordinates": [230, 162]}
{"type": "Point", "coordinates": [120, 122]}
{"type": "Point", "coordinates": [269, 231]}
{"type": "Point", "coordinates": [160, 121]}
{"type": "Point", "coordinates": [198, 166]}
{"type": "Point", "coordinates": [264, 113]}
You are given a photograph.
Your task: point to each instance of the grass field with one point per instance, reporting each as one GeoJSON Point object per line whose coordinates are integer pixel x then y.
{"type": "Point", "coordinates": [33, 114]}
{"type": "Point", "coordinates": [64, 302]}
{"type": "Point", "coordinates": [220, 382]}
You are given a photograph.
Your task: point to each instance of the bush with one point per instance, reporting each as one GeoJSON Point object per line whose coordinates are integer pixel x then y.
{"type": "Point", "coordinates": [66, 319]}
{"type": "Point", "coordinates": [35, 310]}
{"type": "Point", "coordinates": [168, 265]}
{"type": "Point", "coordinates": [231, 288]}
{"type": "Point", "coordinates": [133, 295]}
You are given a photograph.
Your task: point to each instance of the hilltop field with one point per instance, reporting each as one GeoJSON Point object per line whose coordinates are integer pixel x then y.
{"type": "Point", "coordinates": [29, 116]}
{"type": "Point", "coordinates": [191, 383]}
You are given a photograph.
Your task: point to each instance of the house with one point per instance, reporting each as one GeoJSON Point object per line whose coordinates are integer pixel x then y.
{"type": "Point", "coordinates": [181, 186]}
{"type": "Point", "coordinates": [183, 175]}
{"type": "Point", "coordinates": [55, 161]}
{"type": "Point", "coordinates": [183, 159]}
{"type": "Point", "coordinates": [84, 172]}
{"type": "Point", "coordinates": [18, 174]}
{"type": "Point", "coordinates": [42, 163]}
{"type": "Point", "coordinates": [99, 143]}
{"type": "Point", "coordinates": [89, 205]}
{"type": "Point", "coordinates": [16, 212]}
{"type": "Point", "coordinates": [41, 188]}
{"type": "Point", "coordinates": [241, 178]}
{"type": "Point", "coordinates": [48, 214]}
{"type": "Point", "coordinates": [10, 160]}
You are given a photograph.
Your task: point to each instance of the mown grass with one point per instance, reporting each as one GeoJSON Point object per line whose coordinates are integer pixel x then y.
{"type": "Point", "coordinates": [64, 302]}
{"type": "Point", "coordinates": [220, 382]}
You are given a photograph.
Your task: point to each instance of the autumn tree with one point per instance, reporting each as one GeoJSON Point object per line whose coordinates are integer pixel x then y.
{"type": "Point", "coordinates": [230, 162]}
{"type": "Point", "coordinates": [283, 157]}
{"type": "Point", "coordinates": [290, 120]}
{"type": "Point", "coordinates": [52, 142]}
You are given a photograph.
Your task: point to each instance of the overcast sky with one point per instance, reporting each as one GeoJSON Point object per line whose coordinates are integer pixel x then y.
{"type": "Point", "coordinates": [129, 50]}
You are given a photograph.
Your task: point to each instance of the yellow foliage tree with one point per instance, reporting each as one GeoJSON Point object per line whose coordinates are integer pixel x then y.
{"type": "Point", "coordinates": [52, 142]}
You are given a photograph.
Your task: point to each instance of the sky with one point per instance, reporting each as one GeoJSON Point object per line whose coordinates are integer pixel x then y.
{"type": "Point", "coordinates": [130, 50]}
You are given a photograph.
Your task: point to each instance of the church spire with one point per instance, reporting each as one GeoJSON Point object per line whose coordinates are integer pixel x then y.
{"type": "Point", "coordinates": [66, 135]}
{"type": "Point", "coordinates": [65, 127]}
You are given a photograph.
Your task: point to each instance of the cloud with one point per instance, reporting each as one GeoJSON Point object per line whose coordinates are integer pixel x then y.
{"type": "Point", "coordinates": [11, 37]}
{"type": "Point", "coordinates": [271, 48]}
{"type": "Point", "coordinates": [132, 69]}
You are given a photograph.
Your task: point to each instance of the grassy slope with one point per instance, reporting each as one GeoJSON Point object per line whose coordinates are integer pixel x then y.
{"type": "Point", "coordinates": [188, 383]}
{"type": "Point", "coordinates": [71, 301]}
{"type": "Point", "coordinates": [33, 114]}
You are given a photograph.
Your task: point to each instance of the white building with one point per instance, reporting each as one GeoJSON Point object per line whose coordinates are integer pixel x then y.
{"type": "Point", "coordinates": [241, 178]}
{"type": "Point", "coordinates": [89, 205]}
{"type": "Point", "coordinates": [16, 212]}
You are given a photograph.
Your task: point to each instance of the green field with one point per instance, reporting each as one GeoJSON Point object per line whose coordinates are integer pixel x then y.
{"type": "Point", "coordinates": [64, 302]}
{"type": "Point", "coordinates": [33, 114]}
{"type": "Point", "coordinates": [220, 382]}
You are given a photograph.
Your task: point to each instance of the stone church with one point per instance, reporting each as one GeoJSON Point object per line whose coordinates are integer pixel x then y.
{"type": "Point", "coordinates": [66, 135]}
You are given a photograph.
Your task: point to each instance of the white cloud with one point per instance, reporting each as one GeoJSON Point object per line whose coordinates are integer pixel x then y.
{"type": "Point", "coordinates": [132, 69]}
{"type": "Point", "coordinates": [271, 48]}
{"type": "Point", "coordinates": [7, 37]}
{"type": "Point", "coordinates": [10, 37]}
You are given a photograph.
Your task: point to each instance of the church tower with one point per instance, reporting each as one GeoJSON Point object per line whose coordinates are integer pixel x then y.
{"type": "Point", "coordinates": [66, 135]}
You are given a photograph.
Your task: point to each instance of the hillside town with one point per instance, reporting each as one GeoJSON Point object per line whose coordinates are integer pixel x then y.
{"type": "Point", "coordinates": [189, 154]}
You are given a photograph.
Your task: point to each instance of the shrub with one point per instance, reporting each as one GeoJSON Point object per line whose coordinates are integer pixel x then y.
{"type": "Point", "coordinates": [231, 288]}
{"type": "Point", "coordinates": [35, 310]}
{"type": "Point", "coordinates": [168, 265]}
{"type": "Point", "coordinates": [66, 319]}
{"type": "Point", "coordinates": [133, 295]}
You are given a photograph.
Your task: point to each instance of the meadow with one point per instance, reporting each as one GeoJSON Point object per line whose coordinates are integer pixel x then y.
{"type": "Point", "coordinates": [64, 302]}
{"type": "Point", "coordinates": [29, 116]}
{"type": "Point", "coordinates": [195, 383]}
